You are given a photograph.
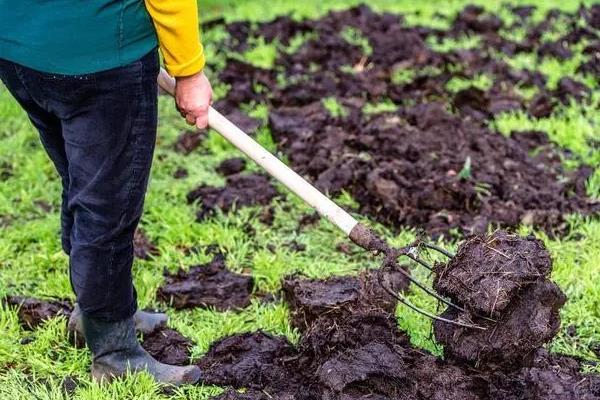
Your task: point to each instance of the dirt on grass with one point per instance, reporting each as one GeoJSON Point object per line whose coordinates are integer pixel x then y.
{"type": "Point", "coordinates": [240, 190]}
{"type": "Point", "coordinates": [351, 348]}
{"type": "Point", "coordinates": [143, 248]}
{"type": "Point", "coordinates": [33, 312]}
{"type": "Point", "coordinates": [435, 162]}
{"type": "Point", "coordinates": [168, 346]}
{"type": "Point", "coordinates": [210, 285]}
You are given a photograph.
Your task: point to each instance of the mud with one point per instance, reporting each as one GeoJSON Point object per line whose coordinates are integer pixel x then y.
{"type": "Point", "coordinates": [168, 346]}
{"type": "Point", "coordinates": [231, 166]}
{"type": "Point", "coordinates": [188, 142]}
{"type": "Point", "coordinates": [434, 163]}
{"type": "Point", "coordinates": [33, 312]}
{"type": "Point", "coordinates": [209, 285]}
{"type": "Point", "coordinates": [351, 348]}
{"type": "Point", "coordinates": [488, 271]}
{"type": "Point", "coordinates": [143, 248]}
{"type": "Point", "coordinates": [504, 277]}
{"type": "Point", "coordinates": [239, 191]}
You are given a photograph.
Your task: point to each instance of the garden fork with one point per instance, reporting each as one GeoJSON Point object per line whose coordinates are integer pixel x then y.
{"type": "Point", "coordinates": [359, 233]}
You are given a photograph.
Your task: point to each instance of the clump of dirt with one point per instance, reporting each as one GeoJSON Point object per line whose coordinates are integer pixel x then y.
{"type": "Point", "coordinates": [239, 191]}
{"type": "Point", "coordinates": [168, 346]}
{"type": "Point", "coordinates": [207, 285]}
{"type": "Point", "coordinates": [188, 142]}
{"type": "Point", "coordinates": [33, 312]}
{"type": "Point", "coordinates": [487, 271]}
{"type": "Point", "coordinates": [246, 360]}
{"type": "Point", "coordinates": [504, 277]}
{"type": "Point", "coordinates": [143, 248]}
{"type": "Point", "coordinates": [231, 166]}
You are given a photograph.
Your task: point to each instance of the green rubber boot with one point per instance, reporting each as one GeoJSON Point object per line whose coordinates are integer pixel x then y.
{"type": "Point", "coordinates": [145, 322]}
{"type": "Point", "coordinates": [116, 352]}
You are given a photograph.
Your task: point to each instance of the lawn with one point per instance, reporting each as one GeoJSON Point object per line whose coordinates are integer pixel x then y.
{"type": "Point", "coordinates": [34, 364]}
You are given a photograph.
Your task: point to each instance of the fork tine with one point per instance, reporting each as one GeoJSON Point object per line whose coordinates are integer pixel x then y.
{"type": "Point", "coordinates": [407, 303]}
{"type": "Point", "coordinates": [438, 249]}
{"type": "Point", "coordinates": [429, 291]}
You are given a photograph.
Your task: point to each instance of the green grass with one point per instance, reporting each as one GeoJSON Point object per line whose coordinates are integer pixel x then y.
{"type": "Point", "coordinates": [32, 263]}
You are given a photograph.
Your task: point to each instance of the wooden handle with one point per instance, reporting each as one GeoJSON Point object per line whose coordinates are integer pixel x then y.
{"type": "Point", "coordinates": [277, 169]}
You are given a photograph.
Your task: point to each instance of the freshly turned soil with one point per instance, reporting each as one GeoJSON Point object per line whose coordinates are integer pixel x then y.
{"type": "Point", "coordinates": [33, 312]}
{"type": "Point", "coordinates": [527, 323]}
{"type": "Point", "coordinates": [143, 248]}
{"type": "Point", "coordinates": [209, 285]}
{"type": "Point", "coordinates": [168, 346]}
{"type": "Point", "coordinates": [351, 348]}
{"type": "Point", "coordinates": [239, 191]}
{"type": "Point", "coordinates": [188, 142]}
{"type": "Point", "coordinates": [505, 277]}
{"type": "Point", "coordinates": [231, 166]}
{"type": "Point", "coordinates": [488, 271]}
{"type": "Point", "coordinates": [409, 167]}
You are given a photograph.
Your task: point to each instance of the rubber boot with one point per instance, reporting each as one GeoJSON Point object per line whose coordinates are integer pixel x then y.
{"type": "Point", "coordinates": [116, 352]}
{"type": "Point", "coordinates": [145, 322]}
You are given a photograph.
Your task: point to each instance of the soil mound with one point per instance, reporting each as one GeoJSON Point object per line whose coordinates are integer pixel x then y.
{"type": "Point", "coordinates": [33, 312]}
{"type": "Point", "coordinates": [505, 277]}
{"type": "Point", "coordinates": [487, 271]}
{"type": "Point", "coordinates": [168, 346]}
{"type": "Point", "coordinates": [207, 285]}
{"type": "Point", "coordinates": [239, 191]}
{"type": "Point", "coordinates": [188, 142]}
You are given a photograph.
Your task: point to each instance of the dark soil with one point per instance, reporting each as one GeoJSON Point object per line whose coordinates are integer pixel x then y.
{"type": "Point", "coordinates": [231, 166]}
{"type": "Point", "coordinates": [239, 191]}
{"type": "Point", "coordinates": [168, 346]}
{"type": "Point", "coordinates": [143, 248]}
{"type": "Point", "coordinates": [488, 271]}
{"type": "Point", "coordinates": [188, 142]}
{"type": "Point", "coordinates": [208, 285]}
{"type": "Point", "coordinates": [409, 167]}
{"type": "Point", "coordinates": [33, 312]}
{"type": "Point", "coordinates": [505, 277]}
{"type": "Point", "coordinates": [351, 347]}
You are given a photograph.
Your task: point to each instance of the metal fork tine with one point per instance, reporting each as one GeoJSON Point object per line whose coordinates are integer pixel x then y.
{"type": "Point", "coordinates": [429, 291]}
{"type": "Point", "coordinates": [407, 303]}
{"type": "Point", "coordinates": [438, 249]}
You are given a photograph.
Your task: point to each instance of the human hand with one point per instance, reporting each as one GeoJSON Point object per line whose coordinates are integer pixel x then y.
{"type": "Point", "coordinates": [193, 96]}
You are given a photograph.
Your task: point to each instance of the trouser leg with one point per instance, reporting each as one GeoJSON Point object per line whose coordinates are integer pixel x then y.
{"type": "Point", "coordinates": [50, 130]}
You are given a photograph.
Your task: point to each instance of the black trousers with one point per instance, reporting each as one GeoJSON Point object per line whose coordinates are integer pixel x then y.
{"type": "Point", "coordinates": [99, 130]}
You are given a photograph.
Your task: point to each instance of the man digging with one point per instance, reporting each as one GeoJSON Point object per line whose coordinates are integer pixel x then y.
{"type": "Point", "coordinates": [85, 73]}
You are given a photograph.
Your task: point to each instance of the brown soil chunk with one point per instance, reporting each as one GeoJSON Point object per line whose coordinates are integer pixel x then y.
{"type": "Point", "coordinates": [316, 298]}
{"type": "Point", "coordinates": [207, 285]}
{"type": "Point", "coordinates": [33, 312]}
{"type": "Point", "coordinates": [231, 166]}
{"type": "Point", "coordinates": [239, 191]}
{"type": "Point", "coordinates": [503, 276]}
{"type": "Point", "coordinates": [246, 360]}
{"type": "Point", "coordinates": [168, 346]}
{"type": "Point", "coordinates": [143, 248]}
{"type": "Point", "coordinates": [528, 322]}
{"type": "Point", "coordinates": [488, 271]}
{"type": "Point", "coordinates": [188, 142]}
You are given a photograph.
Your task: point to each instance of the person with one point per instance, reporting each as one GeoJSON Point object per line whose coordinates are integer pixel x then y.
{"type": "Point", "coordinates": [85, 73]}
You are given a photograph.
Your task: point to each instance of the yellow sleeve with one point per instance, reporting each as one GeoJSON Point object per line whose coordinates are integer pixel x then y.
{"type": "Point", "coordinates": [178, 29]}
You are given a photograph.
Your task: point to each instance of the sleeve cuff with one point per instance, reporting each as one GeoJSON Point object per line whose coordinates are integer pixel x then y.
{"type": "Point", "coordinates": [191, 67]}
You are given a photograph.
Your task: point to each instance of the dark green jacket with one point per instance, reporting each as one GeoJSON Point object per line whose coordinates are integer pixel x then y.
{"type": "Point", "coordinates": [74, 37]}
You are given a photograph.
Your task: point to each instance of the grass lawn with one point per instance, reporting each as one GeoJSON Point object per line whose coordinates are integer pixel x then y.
{"type": "Point", "coordinates": [32, 262]}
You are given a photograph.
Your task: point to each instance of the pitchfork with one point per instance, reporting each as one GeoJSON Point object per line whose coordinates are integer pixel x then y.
{"type": "Point", "coordinates": [357, 232]}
